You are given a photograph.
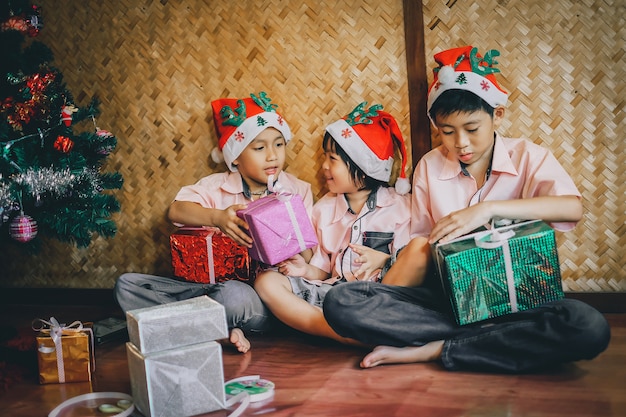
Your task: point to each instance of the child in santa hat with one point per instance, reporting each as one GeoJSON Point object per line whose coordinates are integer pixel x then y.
{"type": "Point", "coordinates": [360, 222]}
{"type": "Point", "coordinates": [475, 176]}
{"type": "Point", "coordinates": [252, 138]}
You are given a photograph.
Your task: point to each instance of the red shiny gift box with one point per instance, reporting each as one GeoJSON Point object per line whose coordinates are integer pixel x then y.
{"type": "Point", "coordinates": [280, 227]}
{"type": "Point", "coordinates": [209, 256]}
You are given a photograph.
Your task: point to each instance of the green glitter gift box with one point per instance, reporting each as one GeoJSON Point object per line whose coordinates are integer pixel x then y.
{"type": "Point", "coordinates": [500, 271]}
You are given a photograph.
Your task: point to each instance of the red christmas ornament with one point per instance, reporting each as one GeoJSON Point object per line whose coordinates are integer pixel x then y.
{"type": "Point", "coordinates": [63, 144]}
{"type": "Point", "coordinates": [23, 228]}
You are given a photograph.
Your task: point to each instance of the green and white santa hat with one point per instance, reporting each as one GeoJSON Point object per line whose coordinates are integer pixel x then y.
{"type": "Point", "coordinates": [465, 69]}
{"type": "Point", "coordinates": [239, 121]}
{"type": "Point", "coordinates": [369, 137]}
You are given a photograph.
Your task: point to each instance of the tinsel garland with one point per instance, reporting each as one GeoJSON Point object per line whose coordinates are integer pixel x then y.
{"type": "Point", "coordinates": [48, 181]}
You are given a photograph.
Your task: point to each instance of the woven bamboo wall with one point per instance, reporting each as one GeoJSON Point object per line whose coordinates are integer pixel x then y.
{"type": "Point", "coordinates": [157, 65]}
{"type": "Point", "coordinates": [564, 65]}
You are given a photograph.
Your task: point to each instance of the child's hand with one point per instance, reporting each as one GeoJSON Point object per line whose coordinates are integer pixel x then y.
{"type": "Point", "coordinates": [459, 223]}
{"type": "Point", "coordinates": [370, 260]}
{"type": "Point", "coordinates": [296, 266]}
{"type": "Point", "coordinates": [229, 223]}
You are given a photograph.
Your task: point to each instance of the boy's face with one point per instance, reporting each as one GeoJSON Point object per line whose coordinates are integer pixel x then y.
{"type": "Point", "coordinates": [264, 156]}
{"type": "Point", "coordinates": [337, 174]}
{"type": "Point", "coordinates": [469, 136]}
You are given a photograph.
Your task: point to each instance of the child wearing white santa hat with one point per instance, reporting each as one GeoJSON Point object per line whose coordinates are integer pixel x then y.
{"type": "Point", "coordinates": [475, 177]}
{"type": "Point", "coordinates": [252, 138]}
{"type": "Point", "coordinates": [360, 223]}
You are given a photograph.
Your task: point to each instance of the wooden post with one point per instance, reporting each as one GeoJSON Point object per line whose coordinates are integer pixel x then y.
{"type": "Point", "coordinates": [417, 78]}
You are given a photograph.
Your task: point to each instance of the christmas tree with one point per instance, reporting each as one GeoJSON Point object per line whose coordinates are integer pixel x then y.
{"type": "Point", "coordinates": [52, 183]}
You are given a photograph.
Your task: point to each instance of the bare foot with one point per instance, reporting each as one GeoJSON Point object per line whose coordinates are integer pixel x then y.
{"type": "Point", "coordinates": [382, 355]}
{"type": "Point", "coordinates": [238, 339]}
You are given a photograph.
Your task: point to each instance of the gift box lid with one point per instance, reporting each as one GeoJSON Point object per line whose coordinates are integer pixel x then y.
{"type": "Point", "coordinates": [176, 324]}
{"type": "Point", "coordinates": [469, 241]}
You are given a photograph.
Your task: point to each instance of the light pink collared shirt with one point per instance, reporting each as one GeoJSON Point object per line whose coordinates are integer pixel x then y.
{"type": "Point", "coordinates": [336, 226]}
{"type": "Point", "coordinates": [222, 190]}
{"type": "Point", "coordinates": [520, 169]}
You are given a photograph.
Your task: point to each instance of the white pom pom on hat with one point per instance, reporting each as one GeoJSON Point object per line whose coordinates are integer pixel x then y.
{"type": "Point", "coordinates": [446, 75]}
{"type": "Point", "coordinates": [403, 186]}
{"type": "Point", "coordinates": [217, 156]}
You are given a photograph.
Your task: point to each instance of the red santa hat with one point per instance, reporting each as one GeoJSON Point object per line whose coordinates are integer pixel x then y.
{"type": "Point", "coordinates": [465, 69]}
{"type": "Point", "coordinates": [239, 121]}
{"type": "Point", "coordinates": [368, 136]}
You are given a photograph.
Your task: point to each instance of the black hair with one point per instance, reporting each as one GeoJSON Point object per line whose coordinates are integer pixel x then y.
{"type": "Point", "coordinates": [359, 178]}
{"type": "Point", "coordinates": [458, 101]}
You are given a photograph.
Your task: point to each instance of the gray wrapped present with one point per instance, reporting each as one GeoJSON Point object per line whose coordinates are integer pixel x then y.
{"type": "Point", "coordinates": [180, 382]}
{"type": "Point", "coordinates": [172, 325]}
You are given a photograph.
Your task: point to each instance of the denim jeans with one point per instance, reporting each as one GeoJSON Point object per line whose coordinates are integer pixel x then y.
{"type": "Point", "coordinates": [556, 332]}
{"type": "Point", "coordinates": [244, 309]}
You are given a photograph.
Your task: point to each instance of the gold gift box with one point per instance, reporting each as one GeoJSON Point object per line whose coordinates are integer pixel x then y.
{"type": "Point", "coordinates": [76, 358]}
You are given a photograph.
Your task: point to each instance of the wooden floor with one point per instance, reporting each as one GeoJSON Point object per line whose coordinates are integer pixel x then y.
{"type": "Point", "coordinates": [319, 378]}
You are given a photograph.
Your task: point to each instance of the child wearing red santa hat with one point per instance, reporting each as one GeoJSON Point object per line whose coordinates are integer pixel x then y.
{"type": "Point", "coordinates": [252, 138]}
{"type": "Point", "coordinates": [361, 222]}
{"type": "Point", "coordinates": [474, 177]}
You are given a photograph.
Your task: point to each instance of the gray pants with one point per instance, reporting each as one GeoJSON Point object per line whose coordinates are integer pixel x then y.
{"type": "Point", "coordinates": [244, 309]}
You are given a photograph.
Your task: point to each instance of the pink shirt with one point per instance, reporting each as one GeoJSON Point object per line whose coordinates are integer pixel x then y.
{"type": "Point", "coordinates": [520, 169]}
{"type": "Point", "coordinates": [384, 221]}
{"type": "Point", "coordinates": [224, 189]}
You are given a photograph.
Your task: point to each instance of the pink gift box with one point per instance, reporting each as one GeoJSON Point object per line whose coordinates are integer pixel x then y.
{"type": "Point", "coordinates": [279, 226]}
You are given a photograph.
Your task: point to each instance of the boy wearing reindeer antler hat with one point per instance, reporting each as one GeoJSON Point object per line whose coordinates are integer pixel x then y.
{"type": "Point", "coordinates": [252, 138]}
{"type": "Point", "coordinates": [361, 222]}
{"type": "Point", "coordinates": [474, 177]}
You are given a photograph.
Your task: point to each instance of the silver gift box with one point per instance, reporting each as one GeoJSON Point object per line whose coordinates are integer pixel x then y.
{"type": "Point", "coordinates": [181, 323]}
{"type": "Point", "coordinates": [180, 382]}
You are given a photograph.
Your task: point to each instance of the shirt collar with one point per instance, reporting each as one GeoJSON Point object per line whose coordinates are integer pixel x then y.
{"type": "Point", "coordinates": [235, 185]}
{"type": "Point", "coordinates": [380, 198]}
{"type": "Point", "coordinates": [501, 161]}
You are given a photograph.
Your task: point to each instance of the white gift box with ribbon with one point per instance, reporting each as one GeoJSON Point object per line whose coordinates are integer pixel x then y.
{"type": "Point", "coordinates": [176, 324]}
{"type": "Point", "coordinates": [180, 382]}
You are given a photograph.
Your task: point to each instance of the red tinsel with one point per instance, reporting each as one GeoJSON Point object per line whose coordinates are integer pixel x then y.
{"type": "Point", "coordinates": [20, 113]}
